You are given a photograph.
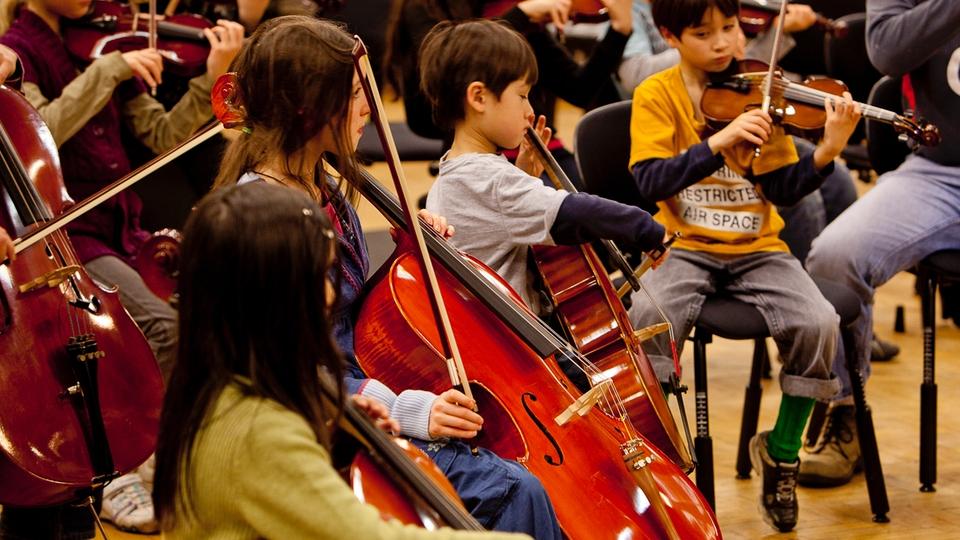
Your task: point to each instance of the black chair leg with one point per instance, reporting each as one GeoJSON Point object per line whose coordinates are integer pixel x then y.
{"type": "Point", "coordinates": [751, 408]}
{"type": "Point", "coordinates": [703, 444]}
{"type": "Point", "coordinates": [817, 418]}
{"type": "Point", "coordinates": [873, 470]}
{"type": "Point", "coordinates": [928, 388]}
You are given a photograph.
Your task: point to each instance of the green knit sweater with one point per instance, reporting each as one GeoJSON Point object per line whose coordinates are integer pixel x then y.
{"type": "Point", "coordinates": [258, 472]}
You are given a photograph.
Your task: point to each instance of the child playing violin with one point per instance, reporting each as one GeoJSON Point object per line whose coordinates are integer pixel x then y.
{"type": "Point", "coordinates": [477, 75]}
{"type": "Point", "coordinates": [720, 196]}
{"type": "Point", "coordinates": [85, 108]}
{"type": "Point", "coordinates": [248, 455]}
{"type": "Point", "coordinates": [296, 108]}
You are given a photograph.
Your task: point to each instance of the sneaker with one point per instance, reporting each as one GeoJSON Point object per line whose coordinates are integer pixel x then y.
{"type": "Point", "coordinates": [881, 351]}
{"type": "Point", "coordinates": [779, 496]}
{"type": "Point", "coordinates": [146, 472]}
{"type": "Point", "coordinates": [127, 504]}
{"type": "Point", "coordinates": [836, 457]}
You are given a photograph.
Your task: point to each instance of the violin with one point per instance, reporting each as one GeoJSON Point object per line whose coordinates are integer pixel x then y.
{"type": "Point", "coordinates": [82, 390]}
{"type": "Point", "coordinates": [113, 26]}
{"type": "Point", "coordinates": [158, 262]}
{"type": "Point", "coordinates": [757, 15]}
{"type": "Point", "coordinates": [798, 107]}
{"type": "Point", "coordinates": [604, 479]}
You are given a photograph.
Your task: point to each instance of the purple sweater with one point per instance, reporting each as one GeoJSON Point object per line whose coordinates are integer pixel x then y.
{"type": "Point", "coordinates": [93, 157]}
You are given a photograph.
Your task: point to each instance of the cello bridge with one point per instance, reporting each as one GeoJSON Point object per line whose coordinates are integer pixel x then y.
{"type": "Point", "coordinates": [51, 279]}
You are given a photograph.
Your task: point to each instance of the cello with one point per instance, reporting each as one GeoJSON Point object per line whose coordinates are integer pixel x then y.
{"type": "Point", "coordinates": [595, 320]}
{"type": "Point", "coordinates": [82, 391]}
{"type": "Point", "coordinates": [605, 480]}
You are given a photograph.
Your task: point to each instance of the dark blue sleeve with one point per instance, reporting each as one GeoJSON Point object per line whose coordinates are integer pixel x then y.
{"type": "Point", "coordinates": [660, 179]}
{"type": "Point", "coordinates": [353, 384]}
{"type": "Point", "coordinates": [583, 217]}
{"type": "Point", "coordinates": [787, 185]}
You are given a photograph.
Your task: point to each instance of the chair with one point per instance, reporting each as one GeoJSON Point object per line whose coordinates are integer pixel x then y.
{"type": "Point", "coordinates": [410, 146]}
{"type": "Point", "coordinates": [846, 59]}
{"type": "Point", "coordinates": [369, 20]}
{"type": "Point", "coordinates": [884, 149]}
{"type": "Point", "coordinates": [602, 141]}
{"type": "Point", "coordinates": [936, 269]}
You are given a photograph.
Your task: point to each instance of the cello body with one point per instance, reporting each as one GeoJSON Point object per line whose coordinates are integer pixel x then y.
{"type": "Point", "coordinates": [598, 326]}
{"type": "Point", "coordinates": [580, 463]}
{"type": "Point", "coordinates": [81, 389]}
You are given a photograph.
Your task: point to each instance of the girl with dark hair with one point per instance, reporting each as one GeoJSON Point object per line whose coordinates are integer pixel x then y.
{"type": "Point", "coordinates": [249, 455]}
{"type": "Point", "coordinates": [295, 109]}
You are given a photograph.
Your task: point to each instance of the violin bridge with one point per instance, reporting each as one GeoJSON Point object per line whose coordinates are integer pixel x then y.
{"type": "Point", "coordinates": [582, 405]}
{"type": "Point", "coordinates": [51, 279]}
{"type": "Point", "coordinates": [648, 332]}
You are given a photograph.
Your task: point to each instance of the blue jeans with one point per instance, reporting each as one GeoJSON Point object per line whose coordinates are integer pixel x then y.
{"type": "Point", "coordinates": [805, 220]}
{"type": "Point", "coordinates": [801, 321]}
{"type": "Point", "coordinates": [912, 212]}
{"type": "Point", "coordinates": [501, 494]}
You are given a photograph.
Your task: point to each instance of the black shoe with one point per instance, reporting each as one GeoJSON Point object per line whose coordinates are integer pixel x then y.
{"type": "Point", "coordinates": [881, 351]}
{"type": "Point", "coordinates": [779, 496]}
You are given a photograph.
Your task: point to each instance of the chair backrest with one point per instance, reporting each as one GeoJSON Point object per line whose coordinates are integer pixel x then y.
{"type": "Point", "coordinates": [885, 149]}
{"type": "Point", "coordinates": [846, 57]}
{"type": "Point", "coordinates": [602, 142]}
{"type": "Point", "coordinates": [846, 60]}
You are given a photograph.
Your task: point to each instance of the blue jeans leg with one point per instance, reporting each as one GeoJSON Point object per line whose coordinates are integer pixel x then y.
{"type": "Point", "coordinates": [913, 212]}
{"type": "Point", "coordinates": [501, 494]}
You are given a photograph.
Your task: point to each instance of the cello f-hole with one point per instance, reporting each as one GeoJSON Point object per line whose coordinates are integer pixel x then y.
{"type": "Point", "coordinates": [555, 461]}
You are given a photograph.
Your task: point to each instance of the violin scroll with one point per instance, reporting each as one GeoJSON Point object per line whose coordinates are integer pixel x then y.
{"type": "Point", "coordinates": [916, 132]}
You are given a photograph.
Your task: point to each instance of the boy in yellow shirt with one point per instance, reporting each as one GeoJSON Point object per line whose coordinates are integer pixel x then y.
{"type": "Point", "coordinates": [713, 189]}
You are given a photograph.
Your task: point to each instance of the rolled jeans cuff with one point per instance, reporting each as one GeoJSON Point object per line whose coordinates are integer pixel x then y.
{"type": "Point", "coordinates": [818, 389]}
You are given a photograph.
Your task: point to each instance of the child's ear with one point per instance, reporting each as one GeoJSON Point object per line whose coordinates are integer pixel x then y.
{"type": "Point", "coordinates": [672, 40]}
{"type": "Point", "coordinates": [476, 96]}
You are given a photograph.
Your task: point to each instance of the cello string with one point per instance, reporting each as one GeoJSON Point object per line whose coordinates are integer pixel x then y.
{"type": "Point", "coordinates": [33, 204]}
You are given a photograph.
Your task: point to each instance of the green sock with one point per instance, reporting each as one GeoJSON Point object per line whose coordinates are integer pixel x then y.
{"type": "Point", "coordinates": [785, 440]}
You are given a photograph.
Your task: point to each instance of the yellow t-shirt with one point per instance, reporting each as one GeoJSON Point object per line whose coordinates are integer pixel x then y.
{"type": "Point", "coordinates": [724, 213]}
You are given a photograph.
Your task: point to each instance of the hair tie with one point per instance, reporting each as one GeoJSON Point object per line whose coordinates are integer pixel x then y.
{"type": "Point", "coordinates": [227, 103]}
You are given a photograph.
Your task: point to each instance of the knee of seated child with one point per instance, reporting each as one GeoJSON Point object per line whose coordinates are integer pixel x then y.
{"type": "Point", "coordinates": [528, 486]}
{"type": "Point", "coordinates": [821, 319]}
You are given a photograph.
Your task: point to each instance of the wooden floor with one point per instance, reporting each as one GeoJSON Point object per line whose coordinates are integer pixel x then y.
{"type": "Point", "coordinates": [893, 393]}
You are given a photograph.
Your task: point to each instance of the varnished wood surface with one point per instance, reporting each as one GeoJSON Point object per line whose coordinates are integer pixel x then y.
{"type": "Point", "coordinates": [893, 393]}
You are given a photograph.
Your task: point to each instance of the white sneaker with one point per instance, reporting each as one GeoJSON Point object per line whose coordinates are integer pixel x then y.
{"type": "Point", "coordinates": [127, 504]}
{"type": "Point", "coordinates": [146, 472]}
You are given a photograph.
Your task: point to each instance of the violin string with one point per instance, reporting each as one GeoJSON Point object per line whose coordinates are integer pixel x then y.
{"type": "Point", "coordinates": [815, 97]}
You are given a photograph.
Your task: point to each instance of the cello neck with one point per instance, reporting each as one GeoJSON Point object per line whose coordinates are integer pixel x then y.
{"type": "Point", "coordinates": [561, 181]}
